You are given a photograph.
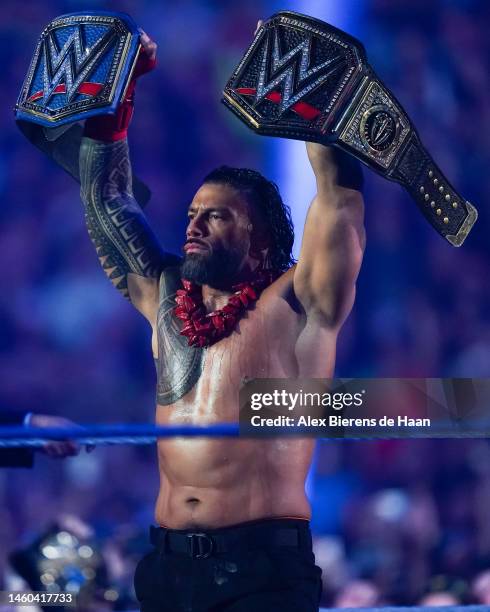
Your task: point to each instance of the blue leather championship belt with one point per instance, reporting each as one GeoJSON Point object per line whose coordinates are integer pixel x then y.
{"type": "Point", "coordinates": [302, 78]}
{"type": "Point", "coordinates": [81, 67]}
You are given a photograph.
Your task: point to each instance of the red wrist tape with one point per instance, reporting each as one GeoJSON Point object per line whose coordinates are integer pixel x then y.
{"type": "Point", "coordinates": [111, 128]}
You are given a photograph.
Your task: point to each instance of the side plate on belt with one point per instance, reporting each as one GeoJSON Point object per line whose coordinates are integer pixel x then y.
{"type": "Point", "coordinates": [80, 68]}
{"type": "Point", "coordinates": [302, 78]}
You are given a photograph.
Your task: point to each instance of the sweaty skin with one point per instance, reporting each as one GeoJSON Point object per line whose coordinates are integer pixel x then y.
{"type": "Point", "coordinates": [290, 332]}
{"type": "Point", "coordinates": [210, 482]}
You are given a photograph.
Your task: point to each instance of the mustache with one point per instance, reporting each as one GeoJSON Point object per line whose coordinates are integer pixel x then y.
{"type": "Point", "coordinates": [196, 241]}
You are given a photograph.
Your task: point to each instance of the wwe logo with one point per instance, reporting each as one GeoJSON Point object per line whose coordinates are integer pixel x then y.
{"type": "Point", "coordinates": [286, 76]}
{"type": "Point", "coordinates": [72, 63]}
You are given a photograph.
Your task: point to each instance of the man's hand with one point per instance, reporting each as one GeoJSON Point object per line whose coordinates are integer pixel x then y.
{"type": "Point", "coordinates": [111, 128]}
{"type": "Point", "coordinates": [56, 448]}
{"type": "Point", "coordinates": [323, 163]}
{"type": "Point", "coordinates": [147, 58]}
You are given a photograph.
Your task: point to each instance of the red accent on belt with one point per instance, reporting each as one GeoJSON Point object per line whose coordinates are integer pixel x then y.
{"type": "Point", "coordinates": [89, 89]}
{"type": "Point", "coordinates": [303, 109]}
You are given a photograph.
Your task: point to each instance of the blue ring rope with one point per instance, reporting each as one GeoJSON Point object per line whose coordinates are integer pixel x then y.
{"type": "Point", "coordinates": [18, 436]}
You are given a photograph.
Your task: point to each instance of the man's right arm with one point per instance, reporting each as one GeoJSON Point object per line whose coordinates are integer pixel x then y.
{"type": "Point", "coordinates": [128, 250]}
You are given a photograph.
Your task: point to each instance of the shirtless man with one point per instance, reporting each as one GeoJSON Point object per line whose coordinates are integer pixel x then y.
{"type": "Point", "coordinates": [233, 515]}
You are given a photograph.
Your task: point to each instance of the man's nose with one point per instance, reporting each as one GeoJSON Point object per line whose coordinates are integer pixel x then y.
{"type": "Point", "coordinates": [195, 227]}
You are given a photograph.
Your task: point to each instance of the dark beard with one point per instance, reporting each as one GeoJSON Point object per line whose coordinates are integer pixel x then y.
{"type": "Point", "coordinates": [217, 270]}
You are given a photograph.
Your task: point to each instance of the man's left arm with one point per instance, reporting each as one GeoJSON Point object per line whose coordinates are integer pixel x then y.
{"type": "Point", "coordinates": [333, 239]}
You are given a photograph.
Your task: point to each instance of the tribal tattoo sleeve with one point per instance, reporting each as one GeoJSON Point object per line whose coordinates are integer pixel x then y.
{"type": "Point", "coordinates": [116, 224]}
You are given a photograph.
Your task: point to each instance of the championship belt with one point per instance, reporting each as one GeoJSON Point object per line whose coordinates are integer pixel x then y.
{"type": "Point", "coordinates": [81, 67]}
{"type": "Point", "coordinates": [302, 78]}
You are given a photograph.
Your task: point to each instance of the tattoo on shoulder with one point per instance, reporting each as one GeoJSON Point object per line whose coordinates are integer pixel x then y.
{"type": "Point", "coordinates": [179, 366]}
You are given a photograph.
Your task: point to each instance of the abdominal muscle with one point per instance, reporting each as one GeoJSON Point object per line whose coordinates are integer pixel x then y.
{"type": "Point", "coordinates": [210, 483]}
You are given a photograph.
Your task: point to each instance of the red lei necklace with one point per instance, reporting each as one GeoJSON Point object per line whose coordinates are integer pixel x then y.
{"type": "Point", "coordinates": [203, 329]}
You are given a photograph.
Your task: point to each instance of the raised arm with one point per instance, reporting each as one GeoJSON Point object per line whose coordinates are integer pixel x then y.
{"type": "Point", "coordinates": [128, 250]}
{"type": "Point", "coordinates": [333, 240]}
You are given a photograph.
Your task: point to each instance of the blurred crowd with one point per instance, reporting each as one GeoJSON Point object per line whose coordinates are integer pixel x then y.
{"type": "Point", "coordinates": [395, 522]}
{"type": "Point", "coordinates": [403, 522]}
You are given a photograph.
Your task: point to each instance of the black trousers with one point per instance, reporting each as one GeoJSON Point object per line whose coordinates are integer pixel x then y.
{"type": "Point", "coordinates": [252, 567]}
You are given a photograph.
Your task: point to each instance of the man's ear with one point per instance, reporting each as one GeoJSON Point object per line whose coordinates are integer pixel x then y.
{"type": "Point", "coordinates": [259, 242]}
{"type": "Point", "coordinates": [259, 238]}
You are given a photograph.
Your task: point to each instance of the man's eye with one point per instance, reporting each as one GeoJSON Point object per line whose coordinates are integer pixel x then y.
{"type": "Point", "coordinates": [215, 216]}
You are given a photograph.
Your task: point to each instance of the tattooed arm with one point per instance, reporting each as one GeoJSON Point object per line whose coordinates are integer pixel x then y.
{"type": "Point", "coordinates": [128, 250]}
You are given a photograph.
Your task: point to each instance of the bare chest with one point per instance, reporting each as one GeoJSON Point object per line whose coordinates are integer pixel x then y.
{"type": "Point", "coordinates": [261, 346]}
{"type": "Point", "coordinates": [271, 340]}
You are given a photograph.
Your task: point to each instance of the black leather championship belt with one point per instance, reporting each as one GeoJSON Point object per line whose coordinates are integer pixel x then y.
{"type": "Point", "coordinates": [302, 78]}
{"type": "Point", "coordinates": [81, 67]}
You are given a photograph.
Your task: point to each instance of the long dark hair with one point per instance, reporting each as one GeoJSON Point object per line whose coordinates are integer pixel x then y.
{"type": "Point", "coordinates": [265, 196]}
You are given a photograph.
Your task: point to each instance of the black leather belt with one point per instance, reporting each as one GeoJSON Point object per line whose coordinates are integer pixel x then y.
{"type": "Point", "coordinates": [201, 544]}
